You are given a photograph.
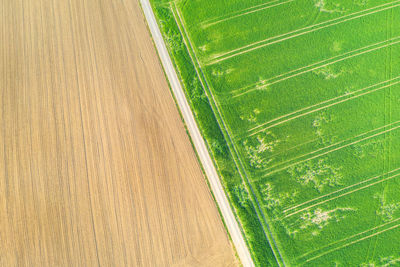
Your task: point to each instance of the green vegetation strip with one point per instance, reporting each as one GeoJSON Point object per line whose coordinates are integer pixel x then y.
{"type": "Point", "coordinates": [298, 101]}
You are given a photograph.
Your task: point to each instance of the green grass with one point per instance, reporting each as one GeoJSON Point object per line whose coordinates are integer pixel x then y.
{"type": "Point", "coordinates": [299, 104]}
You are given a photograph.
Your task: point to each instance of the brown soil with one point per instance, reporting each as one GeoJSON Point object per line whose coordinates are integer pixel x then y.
{"type": "Point", "coordinates": [95, 164]}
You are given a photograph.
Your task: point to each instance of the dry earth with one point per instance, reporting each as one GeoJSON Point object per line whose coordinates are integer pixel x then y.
{"type": "Point", "coordinates": [95, 164]}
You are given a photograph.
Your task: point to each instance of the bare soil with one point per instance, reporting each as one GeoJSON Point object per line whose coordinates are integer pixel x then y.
{"type": "Point", "coordinates": [95, 165]}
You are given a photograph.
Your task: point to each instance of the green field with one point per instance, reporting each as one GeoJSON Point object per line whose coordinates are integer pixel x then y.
{"type": "Point", "coordinates": [299, 103]}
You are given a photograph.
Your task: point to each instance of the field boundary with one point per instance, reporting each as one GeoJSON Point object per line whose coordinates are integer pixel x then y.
{"type": "Point", "coordinates": [198, 142]}
{"type": "Point", "coordinates": [239, 165]}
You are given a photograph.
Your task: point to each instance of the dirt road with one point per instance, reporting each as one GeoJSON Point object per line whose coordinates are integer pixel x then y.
{"type": "Point", "coordinates": [96, 168]}
{"type": "Point", "coordinates": [198, 141]}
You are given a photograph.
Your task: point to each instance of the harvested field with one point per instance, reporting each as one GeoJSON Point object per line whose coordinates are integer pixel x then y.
{"type": "Point", "coordinates": [96, 168]}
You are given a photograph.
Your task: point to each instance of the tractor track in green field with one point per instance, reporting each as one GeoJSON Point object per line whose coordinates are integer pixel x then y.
{"type": "Point", "coordinates": [351, 242]}
{"type": "Point", "coordinates": [299, 32]}
{"type": "Point", "coordinates": [244, 12]}
{"type": "Point", "coordinates": [320, 106]}
{"type": "Point", "coordinates": [347, 238]}
{"type": "Point", "coordinates": [315, 66]}
{"type": "Point", "coordinates": [285, 211]}
{"type": "Point", "coordinates": [331, 148]}
{"type": "Point", "coordinates": [346, 193]}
